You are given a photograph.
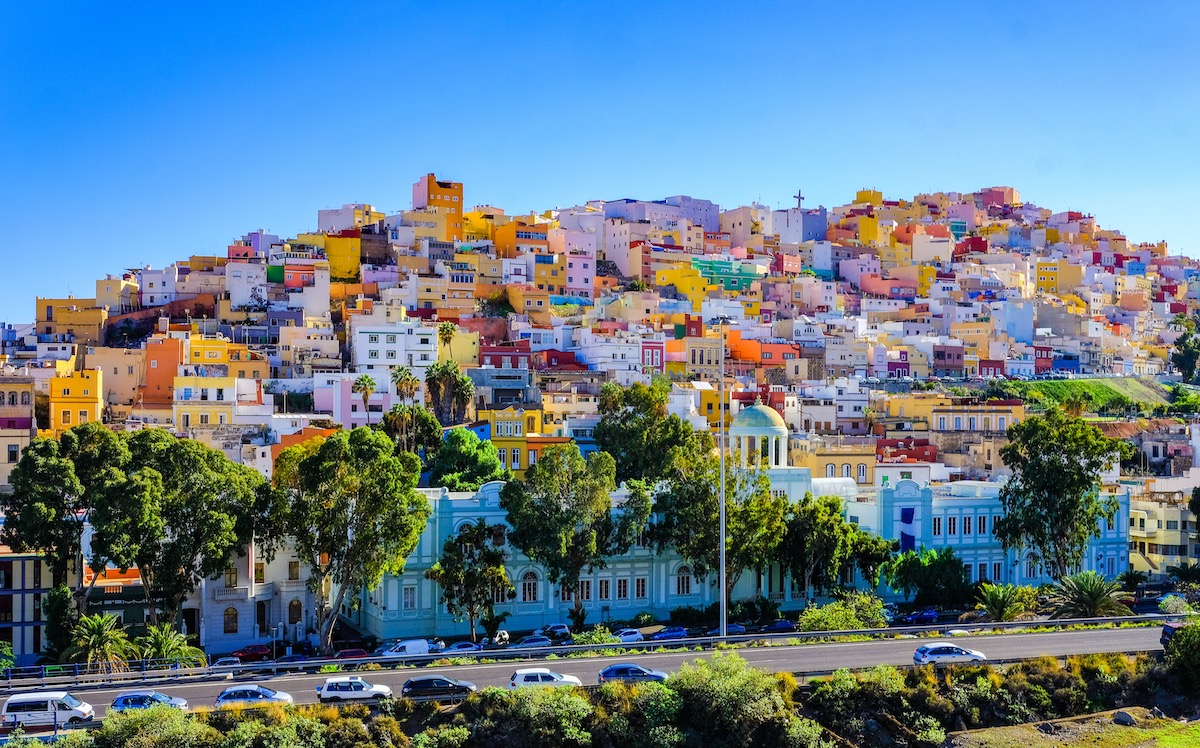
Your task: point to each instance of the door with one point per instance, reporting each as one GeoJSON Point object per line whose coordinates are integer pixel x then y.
{"type": "Point", "coordinates": [260, 617]}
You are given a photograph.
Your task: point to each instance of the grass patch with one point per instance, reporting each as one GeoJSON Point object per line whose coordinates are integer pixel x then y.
{"type": "Point", "coordinates": [1095, 731]}
{"type": "Point", "coordinates": [1101, 391]}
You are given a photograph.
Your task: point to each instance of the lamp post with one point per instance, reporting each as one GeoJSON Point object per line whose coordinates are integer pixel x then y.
{"type": "Point", "coordinates": [723, 320]}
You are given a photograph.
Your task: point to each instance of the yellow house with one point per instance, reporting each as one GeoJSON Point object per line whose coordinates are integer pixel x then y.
{"type": "Point", "coordinates": [1057, 276]}
{"type": "Point", "coordinates": [511, 429]}
{"type": "Point", "coordinates": [344, 254]}
{"type": "Point", "coordinates": [463, 349]}
{"type": "Point", "coordinates": [688, 283]}
{"type": "Point", "coordinates": [480, 224]}
{"type": "Point", "coordinates": [75, 398]}
{"type": "Point", "coordinates": [204, 401]}
{"type": "Point", "coordinates": [118, 294]}
{"type": "Point", "coordinates": [975, 337]}
{"type": "Point", "coordinates": [70, 316]}
{"type": "Point", "coordinates": [830, 459]}
{"type": "Point", "coordinates": [232, 359]}
{"type": "Point", "coordinates": [893, 255]}
{"type": "Point", "coordinates": [528, 299]}
{"type": "Point", "coordinates": [550, 273]}
{"type": "Point", "coordinates": [872, 197]}
{"type": "Point", "coordinates": [948, 413]}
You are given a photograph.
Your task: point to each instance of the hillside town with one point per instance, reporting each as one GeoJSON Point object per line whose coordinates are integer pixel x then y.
{"type": "Point", "coordinates": [877, 351]}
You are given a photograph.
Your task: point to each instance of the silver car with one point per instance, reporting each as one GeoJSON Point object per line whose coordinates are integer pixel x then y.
{"type": "Point", "coordinates": [251, 695]}
{"type": "Point", "coordinates": [945, 653]}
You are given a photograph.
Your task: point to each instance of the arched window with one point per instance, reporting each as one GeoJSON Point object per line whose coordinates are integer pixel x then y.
{"type": "Point", "coordinates": [12, 398]}
{"type": "Point", "coordinates": [862, 472]}
{"type": "Point", "coordinates": [24, 398]}
{"type": "Point", "coordinates": [830, 470]}
{"type": "Point", "coordinates": [1, 398]}
{"type": "Point", "coordinates": [295, 611]}
{"type": "Point", "coordinates": [846, 470]}
{"type": "Point", "coordinates": [231, 620]}
{"type": "Point", "coordinates": [683, 581]}
{"type": "Point", "coordinates": [529, 587]}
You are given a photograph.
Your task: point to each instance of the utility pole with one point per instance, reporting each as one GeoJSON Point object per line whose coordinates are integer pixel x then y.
{"type": "Point", "coordinates": [724, 321]}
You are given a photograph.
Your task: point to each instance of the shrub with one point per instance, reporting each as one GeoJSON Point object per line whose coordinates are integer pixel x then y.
{"type": "Point", "coordinates": [346, 733]}
{"type": "Point", "coordinates": [1173, 605]}
{"type": "Point", "coordinates": [1183, 655]}
{"type": "Point", "coordinates": [550, 717]}
{"type": "Point", "coordinates": [645, 618]}
{"type": "Point", "coordinates": [447, 737]}
{"type": "Point", "coordinates": [854, 611]}
{"type": "Point", "coordinates": [157, 727]}
{"type": "Point", "coordinates": [686, 615]}
{"type": "Point", "coordinates": [599, 634]}
{"type": "Point", "coordinates": [642, 716]}
{"type": "Point", "coordinates": [386, 731]}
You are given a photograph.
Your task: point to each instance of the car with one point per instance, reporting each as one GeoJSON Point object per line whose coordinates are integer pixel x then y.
{"type": "Point", "coordinates": [463, 646]}
{"type": "Point", "coordinates": [351, 654]}
{"type": "Point", "coordinates": [45, 708]}
{"type": "Point", "coordinates": [540, 676]}
{"type": "Point", "coordinates": [629, 636]}
{"type": "Point", "coordinates": [351, 688]}
{"type": "Point", "coordinates": [555, 631]}
{"type": "Point", "coordinates": [631, 673]}
{"type": "Point", "coordinates": [131, 700]}
{"type": "Point", "coordinates": [437, 687]}
{"type": "Point", "coordinates": [291, 662]}
{"type": "Point", "coordinates": [670, 632]}
{"type": "Point", "coordinates": [945, 653]}
{"type": "Point", "coordinates": [251, 695]}
{"type": "Point", "coordinates": [779, 626]}
{"type": "Point", "coordinates": [731, 629]}
{"type": "Point", "coordinates": [226, 662]}
{"type": "Point", "coordinates": [253, 653]}
{"type": "Point", "coordinates": [533, 640]}
{"type": "Point", "coordinates": [405, 648]}
{"type": "Point", "coordinates": [921, 617]}
{"type": "Point", "coordinates": [1169, 630]}
{"type": "Point", "coordinates": [436, 645]}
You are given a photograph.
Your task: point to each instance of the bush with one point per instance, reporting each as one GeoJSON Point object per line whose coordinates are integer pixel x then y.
{"type": "Point", "coordinates": [855, 610]}
{"type": "Point", "coordinates": [447, 737]}
{"type": "Point", "coordinates": [157, 727]}
{"type": "Point", "coordinates": [645, 618]}
{"type": "Point", "coordinates": [598, 635]}
{"type": "Point", "coordinates": [346, 733]}
{"type": "Point", "coordinates": [550, 717]}
{"type": "Point", "coordinates": [689, 616]}
{"type": "Point", "coordinates": [386, 731]}
{"type": "Point", "coordinates": [1173, 605]}
{"type": "Point", "coordinates": [1183, 655]}
{"type": "Point", "coordinates": [642, 716]}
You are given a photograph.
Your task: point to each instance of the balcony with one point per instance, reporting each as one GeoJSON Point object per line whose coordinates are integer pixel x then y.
{"type": "Point", "coordinates": [290, 585]}
{"type": "Point", "coordinates": [231, 594]}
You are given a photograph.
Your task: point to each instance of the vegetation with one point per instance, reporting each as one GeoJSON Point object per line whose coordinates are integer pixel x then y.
{"type": "Point", "coordinates": [413, 428]}
{"type": "Point", "coordinates": [1142, 393]}
{"type": "Point", "coordinates": [365, 386]}
{"type": "Point", "coordinates": [1052, 505]}
{"type": "Point", "coordinates": [162, 642]}
{"type": "Point", "coordinates": [1131, 579]}
{"type": "Point", "coordinates": [936, 577]}
{"type": "Point", "coordinates": [635, 429]}
{"type": "Point", "coordinates": [1087, 595]}
{"type": "Point", "coordinates": [820, 545]}
{"type": "Point", "coordinates": [465, 462]}
{"type": "Point", "coordinates": [450, 392]}
{"type": "Point", "coordinates": [1186, 355]}
{"type": "Point", "coordinates": [471, 572]}
{"type": "Point", "coordinates": [99, 643]}
{"type": "Point", "coordinates": [853, 611]}
{"type": "Point", "coordinates": [406, 383]}
{"type": "Point", "coordinates": [997, 603]}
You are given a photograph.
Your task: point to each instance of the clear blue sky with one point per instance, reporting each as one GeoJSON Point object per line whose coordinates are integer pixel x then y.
{"type": "Point", "coordinates": [134, 133]}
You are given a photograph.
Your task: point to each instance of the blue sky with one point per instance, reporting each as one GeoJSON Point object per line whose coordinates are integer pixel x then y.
{"type": "Point", "coordinates": [138, 133]}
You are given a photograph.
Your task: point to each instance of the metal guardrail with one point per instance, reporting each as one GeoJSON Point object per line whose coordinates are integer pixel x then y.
{"type": "Point", "coordinates": [142, 674]}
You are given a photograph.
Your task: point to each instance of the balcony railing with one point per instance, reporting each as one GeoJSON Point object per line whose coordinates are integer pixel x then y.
{"type": "Point", "coordinates": [229, 594]}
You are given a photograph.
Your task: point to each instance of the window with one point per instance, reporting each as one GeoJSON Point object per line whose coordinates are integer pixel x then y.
{"type": "Point", "coordinates": [622, 589]}
{"type": "Point", "coordinates": [683, 581]}
{"type": "Point", "coordinates": [231, 622]}
{"type": "Point", "coordinates": [372, 338]}
{"type": "Point", "coordinates": [862, 472]}
{"type": "Point", "coordinates": [937, 526]}
{"type": "Point", "coordinates": [565, 595]}
{"type": "Point", "coordinates": [967, 528]}
{"type": "Point", "coordinates": [846, 470]}
{"type": "Point", "coordinates": [409, 597]}
{"type": "Point", "coordinates": [231, 577]}
{"type": "Point", "coordinates": [981, 524]}
{"type": "Point", "coordinates": [639, 588]}
{"type": "Point", "coordinates": [830, 471]}
{"type": "Point", "coordinates": [293, 570]}
{"type": "Point", "coordinates": [1172, 524]}
{"type": "Point", "coordinates": [295, 611]}
{"type": "Point", "coordinates": [516, 459]}
{"type": "Point", "coordinates": [941, 423]}
{"type": "Point", "coordinates": [1031, 567]}
{"type": "Point", "coordinates": [529, 587]}
{"type": "Point", "coordinates": [958, 423]}
{"type": "Point", "coordinates": [66, 417]}
{"type": "Point", "coordinates": [585, 589]}
{"type": "Point", "coordinates": [604, 589]}
{"type": "Point", "coordinates": [982, 573]}
{"type": "Point", "coordinates": [14, 453]}
{"type": "Point", "coordinates": [996, 569]}
{"type": "Point", "coordinates": [260, 572]}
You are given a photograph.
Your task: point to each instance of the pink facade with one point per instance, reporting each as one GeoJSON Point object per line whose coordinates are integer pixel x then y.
{"type": "Point", "coordinates": [891, 288]}
{"type": "Point", "coordinates": [581, 275]}
{"type": "Point", "coordinates": [852, 271]}
{"type": "Point", "coordinates": [380, 274]}
{"type": "Point", "coordinates": [654, 354]}
{"type": "Point", "coordinates": [347, 405]}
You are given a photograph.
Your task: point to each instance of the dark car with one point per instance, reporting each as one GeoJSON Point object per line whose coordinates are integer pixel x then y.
{"type": "Point", "coordinates": [779, 626]}
{"type": "Point", "coordinates": [253, 653]}
{"type": "Point", "coordinates": [731, 629]}
{"type": "Point", "coordinates": [533, 640]}
{"type": "Point", "coordinates": [921, 616]}
{"type": "Point", "coordinates": [1169, 630]}
{"type": "Point", "coordinates": [671, 632]}
{"type": "Point", "coordinates": [437, 687]}
{"type": "Point", "coordinates": [351, 654]}
{"type": "Point", "coordinates": [631, 673]}
{"type": "Point", "coordinates": [292, 662]}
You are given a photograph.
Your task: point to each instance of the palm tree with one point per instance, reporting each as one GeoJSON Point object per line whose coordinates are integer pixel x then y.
{"type": "Point", "coordinates": [101, 644]}
{"type": "Point", "coordinates": [1131, 579]}
{"type": "Point", "coordinates": [1185, 573]}
{"type": "Point", "coordinates": [1087, 595]}
{"type": "Point", "coordinates": [464, 393]}
{"type": "Point", "coordinates": [1076, 404]}
{"type": "Point", "coordinates": [406, 383]}
{"type": "Point", "coordinates": [365, 386]}
{"type": "Point", "coordinates": [161, 642]}
{"type": "Point", "coordinates": [446, 332]}
{"type": "Point", "coordinates": [996, 603]}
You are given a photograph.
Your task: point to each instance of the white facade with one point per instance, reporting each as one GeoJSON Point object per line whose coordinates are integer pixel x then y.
{"type": "Point", "coordinates": [378, 348]}
{"type": "Point", "coordinates": [157, 287]}
{"type": "Point", "coordinates": [246, 283]}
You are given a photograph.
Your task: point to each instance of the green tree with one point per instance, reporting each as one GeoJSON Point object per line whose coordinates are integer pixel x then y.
{"type": "Point", "coordinates": [562, 516]}
{"type": "Point", "coordinates": [446, 332]}
{"type": "Point", "coordinates": [1131, 579]}
{"type": "Point", "coordinates": [1185, 573]}
{"type": "Point", "coordinates": [99, 642]}
{"type": "Point", "coordinates": [162, 642]}
{"type": "Point", "coordinates": [352, 508]}
{"type": "Point", "coordinates": [687, 514]}
{"type": "Point", "coordinates": [1052, 503]}
{"type": "Point", "coordinates": [46, 510]}
{"type": "Point", "coordinates": [819, 543]}
{"type": "Point", "coordinates": [471, 572]}
{"type": "Point", "coordinates": [413, 428]}
{"type": "Point", "coordinates": [6, 656]}
{"type": "Point", "coordinates": [405, 382]}
{"type": "Point", "coordinates": [1186, 355]}
{"type": "Point", "coordinates": [1182, 656]}
{"type": "Point", "coordinates": [870, 554]}
{"type": "Point", "coordinates": [1075, 405]}
{"type": "Point", "coordinates": [935, 576]}
{"type": "Point", "coordinates": [999, 602]}
{"type": "Point", "coordinates": [636, 430]}
{"type": "Point", "coordinates": [450, 392]}
{"type": "Point", "coordinates": [1087, 595]}
{"type": "Point", "coordinates": [365, 386]}
{"type": "Point", "coordinates": [465, 462]}
{"type": "Point", "coordinates": [58, 608]}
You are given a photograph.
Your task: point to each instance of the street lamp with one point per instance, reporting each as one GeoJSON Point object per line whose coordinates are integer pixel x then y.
{"type": "Point", "coordinates": [723, 321]}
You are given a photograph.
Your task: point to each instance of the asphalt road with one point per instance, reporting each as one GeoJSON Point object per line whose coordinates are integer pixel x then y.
{"type": "Point", "coordinates": [799, 659]}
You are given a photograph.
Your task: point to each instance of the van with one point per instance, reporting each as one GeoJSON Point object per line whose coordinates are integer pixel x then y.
{"type": "Point", "coordinates": [407, 648]}
{"type": "Point", "coordinates": [45, 709]}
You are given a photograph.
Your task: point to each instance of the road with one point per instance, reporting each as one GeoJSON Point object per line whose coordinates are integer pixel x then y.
{"type": "Point", "coordinates": [799, 658]}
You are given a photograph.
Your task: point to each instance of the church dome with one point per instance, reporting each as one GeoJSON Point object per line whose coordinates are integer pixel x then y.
{"type": "Point", "coordinates": [758, 417]}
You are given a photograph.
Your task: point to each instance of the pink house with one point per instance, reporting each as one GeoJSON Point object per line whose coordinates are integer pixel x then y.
{"type": "Point", "coordinates": [891, 288]}
{"type": "Point", "coordinates": [348, 405]}
{"type": "Point", "coordinates": [654, 354]}
{"type": "Point", "coordinates": [581, 275]}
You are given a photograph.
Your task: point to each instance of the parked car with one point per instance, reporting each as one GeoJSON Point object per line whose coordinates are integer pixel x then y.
{"type": "Point", "coordinates": [540, 676]}
{"type": "Point", "coordinates": [670, 632]}
{"type": "Point", "coordinates": [945, 653]}
{"type": "Point", "coordinates": [555, 631]}
{"type": "Point", "coordinates": [131, 700]}
{"type": "Point", "coordinates": [630, 635]}
{"type": "Point", "coordinates": [921, 617]}
{"type": "Point", "coordinates": [1169, 630]}
{"type": "Point", "coordinates": [253, 653]}
{"type": "Point", "coordinates": [436, 645]}
{"type": "Point", "coordinates": [533, 640]}
{"type": "Point", "coordinates": [437, 687]}
{"type": "Point", "coordinates": [731, 629]}
{"type": "Point", "coordinates": [351, 654]}
{"type": "Point", "coordinates": [227, 662]}
{"type": "Point", "coordinates": [350, 688]}
{"type": "Point", "coordinates": [631, 673]}
{"type": "Point", "coordinates": [291, 662]}
{"type": "Point", "coordinates": [251, 695]}
{"type": "Point", "coordinates": [463, 646]}
{"type": "Point", "coordinates": [779, 626]}
{"type": "Point", "coordinates": [406, 648]}
{"type": "Point", "coordinates": [43, 708]}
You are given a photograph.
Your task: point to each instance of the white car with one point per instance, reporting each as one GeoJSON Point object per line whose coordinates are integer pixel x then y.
{"type": "Point", "coordinates": [630, 635]}
{"type": "Point", "coordinates": [251, 695]}
{"type": "Point", "coordinates": [555, 631]}
{"type": "Point", "coordinates": [946, 653]}
{"type": "Point", "coordinates": [540, 676]}
{"type": "Point", "coordinates": [351, 688]}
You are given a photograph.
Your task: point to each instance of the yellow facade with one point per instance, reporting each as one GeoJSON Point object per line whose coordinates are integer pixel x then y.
{"type": "Point", "coordinates": [463, 349]}
{"type": "Point", "coordinates": [118, 294]}
{"type": "Point", "coordinates": [895, 254]}
{"type": "Point", "coordinates": [832, 460]}
{"type": "Point", "coordinates": [947, 413]}
{"type": "Point", "coordinates": [75, 398]}
{"type": "Point", "coordinates": [204, 401]}
{"type": "Point", "coordinates": [344, 254]}
{"type": "Point", "coordinates": [550, 276]}
{"type": "Point", "coordinates": [445, 199]}
{"type": "Point", "coordinates": [874, 197]}
{"type": "Point", "coordinates": [688, 283]}
{"type": "Point", "coordinates": [511, 429]}
{"type": "Point", "coordinates": [868, 230]}
{"type": "Point", "coordinates": [926, 276]}
{"type": "Point", "coordinates": [426, 224]}
{"type": "Point", "coordinates": [975, 337]}
{"type": "Point", "coordinates": [81, 318]}
{"type": "Point", "coordinates": [237, 359]}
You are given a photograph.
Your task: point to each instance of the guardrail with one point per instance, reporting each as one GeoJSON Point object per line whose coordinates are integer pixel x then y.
{"type": "Point", "coordinates": [146, 672]}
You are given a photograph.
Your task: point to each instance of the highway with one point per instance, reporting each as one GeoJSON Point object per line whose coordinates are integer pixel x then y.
{"type": "Point", "coordinates": [798, 658]}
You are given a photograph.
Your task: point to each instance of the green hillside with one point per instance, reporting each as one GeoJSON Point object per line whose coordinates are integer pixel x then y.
{"type": "Point", "coordinates": [1138, 390]}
